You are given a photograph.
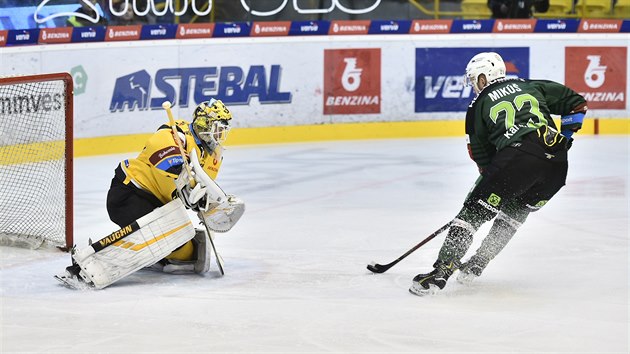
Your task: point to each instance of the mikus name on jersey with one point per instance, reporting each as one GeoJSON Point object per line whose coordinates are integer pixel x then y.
{"type": "Point", "coordinates": [503, 91]}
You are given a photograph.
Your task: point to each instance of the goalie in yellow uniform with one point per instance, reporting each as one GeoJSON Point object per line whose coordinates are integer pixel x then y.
{"type": "Point", "coordinates": [148, 198]}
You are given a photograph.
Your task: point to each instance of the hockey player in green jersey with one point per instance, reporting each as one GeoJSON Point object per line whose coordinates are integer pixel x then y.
{"type": "Point", "coordinates": [522, 160]}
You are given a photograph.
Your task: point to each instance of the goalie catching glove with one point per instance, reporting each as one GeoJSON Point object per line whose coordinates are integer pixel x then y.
{"type": "Point", "coordinates": [219, 211]}
{"type": "Point", "coordinates": [225, 215]}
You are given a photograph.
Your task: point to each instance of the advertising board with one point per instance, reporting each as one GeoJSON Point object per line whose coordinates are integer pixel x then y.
{"type": "Point", "coordinates": [600, 74]}
{"type": "Point", "coordinates": [274, 81]}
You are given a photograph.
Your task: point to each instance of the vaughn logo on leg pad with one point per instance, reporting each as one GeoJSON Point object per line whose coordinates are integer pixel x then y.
{"type": "Point", "coordinates": [115, 236]}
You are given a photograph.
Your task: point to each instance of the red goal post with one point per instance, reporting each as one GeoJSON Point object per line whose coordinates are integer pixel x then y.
{"type": "Point", "coordinates": [36, 161]}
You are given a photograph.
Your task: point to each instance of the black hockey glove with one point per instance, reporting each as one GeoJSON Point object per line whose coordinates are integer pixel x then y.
{"type": "Point", "coordinates": [552, 140]}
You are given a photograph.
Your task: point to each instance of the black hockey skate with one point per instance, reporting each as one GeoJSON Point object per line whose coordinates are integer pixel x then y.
{"type": "Point", "coordinates": [435, 281]}
{"type": "Point", "coordinates": [72, 278]}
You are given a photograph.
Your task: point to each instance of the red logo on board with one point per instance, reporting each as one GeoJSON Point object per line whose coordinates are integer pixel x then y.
{"type": "Point", "coordinates": [599, 74]}
{"type": "Point", "coordinates": [267, 29]}
{"type": "Point", "coordinates": [514, 26]}
{"type": "Point", "coordinates": [123, 33]}
{"type": "Point", "coordinates": [3, 37]}
{"type": "Point", "coordinates": [55, 35]}
{"type": "Point", "coordinates": [352, 81]}
{"type": "Point", "coordinates": [431, 26]}
{"type": "Point", "coordinates": [349, 27]}
{"type": "Point", "coordinates": [195, 30]}
{"type": "Point", "coordinates": [600, 26]}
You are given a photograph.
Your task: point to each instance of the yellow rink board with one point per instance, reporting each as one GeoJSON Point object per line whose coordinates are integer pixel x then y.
{"type": "Point", "coordinates": [275, 135]}
{"type": "Point", "coordinates": [28, 153]}
{"type": "Point", "coordinates": [328, 132]}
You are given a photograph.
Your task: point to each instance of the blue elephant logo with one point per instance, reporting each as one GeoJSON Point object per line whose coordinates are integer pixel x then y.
{"type": "Point", "coordinates": [131, 90]}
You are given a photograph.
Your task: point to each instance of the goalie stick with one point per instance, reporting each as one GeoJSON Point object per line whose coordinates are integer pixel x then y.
{"type": "Point", "coordinates": [214, 249]}
{"type": "Point", "coordinates": [382, 268]}
{"type": "Point", "coordinates": [167, 107]}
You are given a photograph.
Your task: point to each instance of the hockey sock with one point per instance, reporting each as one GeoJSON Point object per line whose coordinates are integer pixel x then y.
{"type": "Point", "coordinates": [500, 234]}
{"type": "Point", "coordinates": [458, 240]}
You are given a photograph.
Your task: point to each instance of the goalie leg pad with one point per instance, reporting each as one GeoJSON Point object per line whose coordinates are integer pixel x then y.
{"type": "Point", "coordinates": [120, 254]}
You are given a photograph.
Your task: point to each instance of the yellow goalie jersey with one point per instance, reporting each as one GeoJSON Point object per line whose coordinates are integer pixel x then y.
{"type": "Point", "coordinates": [160, 162]}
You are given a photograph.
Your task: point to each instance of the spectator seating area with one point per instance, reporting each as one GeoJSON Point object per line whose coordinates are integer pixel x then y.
{"type": "Point", "coordinates": [622, 9]}
{"type": "Point", "coordinates": [475, 9]}
{"type": "Point", "coordinates": [478, 9]}
{"type": "Point", "coordinates": [559, 8]}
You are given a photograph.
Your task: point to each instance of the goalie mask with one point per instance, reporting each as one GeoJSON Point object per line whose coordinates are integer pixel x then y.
{"type": "Point", "coordinates": [489, 64]}
{"type": "Point", "coordinates": [211, 123]}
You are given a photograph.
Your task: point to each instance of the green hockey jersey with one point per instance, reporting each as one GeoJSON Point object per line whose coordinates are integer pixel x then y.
{"type": "Point", "coordinates": [508, 109]}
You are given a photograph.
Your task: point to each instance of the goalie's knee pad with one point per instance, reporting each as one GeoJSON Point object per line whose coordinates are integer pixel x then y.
{"type": "Point", "coordinates": [198, 260]}
{"type": "Point", "coordinates": [184, 253]}
{"type": "Point", "coordinates": [202, 252]}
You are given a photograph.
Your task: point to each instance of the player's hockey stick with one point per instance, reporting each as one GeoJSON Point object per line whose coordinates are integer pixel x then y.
{"type": "Point", "coordinates": [382, 268]}
{"type": "Point", "coordinates": [167, 107]}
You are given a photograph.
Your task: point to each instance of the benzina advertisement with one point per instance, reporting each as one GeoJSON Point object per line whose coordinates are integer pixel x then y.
{"type": "Point", "coordinates": [283, 81]}
{"type": "Point", "coordinates": [352, 81]}
{"type": "Point", "coordinates": [600, 74]}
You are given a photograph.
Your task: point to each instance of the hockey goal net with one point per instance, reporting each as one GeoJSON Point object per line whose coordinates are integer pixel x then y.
{"type": "Point", "coordinates": [36, 161]}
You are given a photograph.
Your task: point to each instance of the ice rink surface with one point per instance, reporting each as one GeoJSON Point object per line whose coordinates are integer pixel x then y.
{"type": "Point", "coordinates": [296, 280]}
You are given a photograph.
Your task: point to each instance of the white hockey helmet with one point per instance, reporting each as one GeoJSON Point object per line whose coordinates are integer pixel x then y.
{"type": "Point", "coordinates": [211, 123]}
{"type": "Point", "coordinates": [488, 63]}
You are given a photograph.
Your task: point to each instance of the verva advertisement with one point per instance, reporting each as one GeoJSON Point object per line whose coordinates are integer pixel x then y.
{"type": "Point", "coordinates": [352, 81]}
{"type": "Point", "coordinates": [312, 80]}
{"type": "Point", "coordinates": [599, 74]}
{"type": "Point", "coordinates": [440, 75]}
